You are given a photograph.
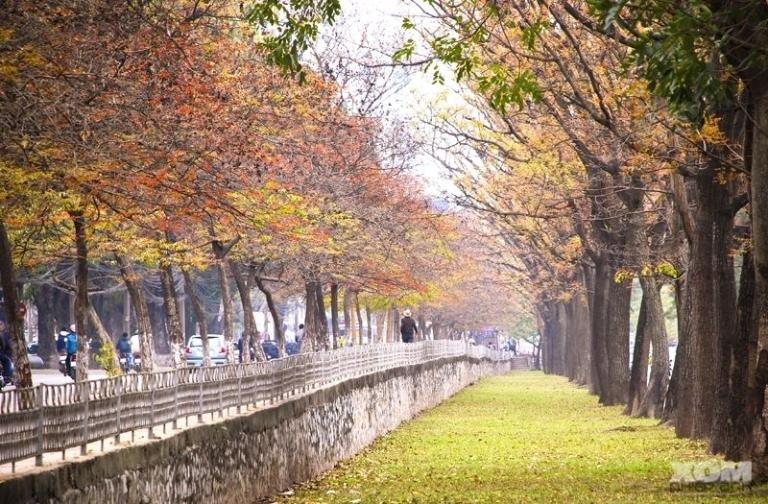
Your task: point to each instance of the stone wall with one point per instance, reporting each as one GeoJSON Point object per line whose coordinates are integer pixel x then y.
{"type": "Point", "coordinates": [244, 458]}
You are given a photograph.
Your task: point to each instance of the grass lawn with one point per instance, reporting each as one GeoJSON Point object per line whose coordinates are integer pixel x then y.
{"type": "Point", "coordinates": [523, 437]}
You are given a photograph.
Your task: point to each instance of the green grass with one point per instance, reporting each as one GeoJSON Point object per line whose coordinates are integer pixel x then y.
{"type": "Point", "coordinates": [523, 437]}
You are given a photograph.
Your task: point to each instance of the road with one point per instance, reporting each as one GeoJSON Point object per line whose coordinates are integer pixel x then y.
{"type": "Point", "coordinates": [54, 376]}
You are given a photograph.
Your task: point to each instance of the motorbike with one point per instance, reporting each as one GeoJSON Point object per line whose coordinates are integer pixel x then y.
{"type": "Point", "coordinates": [6, 381]}
{"type": "Point", "coordinates": [126, 365]}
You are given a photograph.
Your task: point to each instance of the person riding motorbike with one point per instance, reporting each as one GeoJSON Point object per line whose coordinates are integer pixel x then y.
{"type": "Point", "coordinates": [125, 352]}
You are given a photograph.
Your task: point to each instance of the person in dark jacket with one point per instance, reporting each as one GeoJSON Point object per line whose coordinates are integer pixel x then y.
{"type": "Point", "coordinates": [408, 327]}
{"type": "Point", "coordinates": [61, 341]}
{"type": "Point", "coordinates": [124, 348]}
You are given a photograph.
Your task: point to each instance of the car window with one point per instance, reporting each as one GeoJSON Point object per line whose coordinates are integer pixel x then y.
{"type": "Point", "coordinates": [197, 342]}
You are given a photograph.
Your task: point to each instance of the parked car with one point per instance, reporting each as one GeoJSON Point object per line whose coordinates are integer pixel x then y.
{"type": "Point", "coordinates": [292, 348]}
{"type": "Point", "coordinates": [270, 349]}
{"type": "Point", "coordinates": [35, 361]}
{"type": "Point", "coordinates": [217, 350]}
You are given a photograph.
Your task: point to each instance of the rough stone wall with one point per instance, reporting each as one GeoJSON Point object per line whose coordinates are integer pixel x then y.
{"type": "Point", "coordinates": [244, 458]}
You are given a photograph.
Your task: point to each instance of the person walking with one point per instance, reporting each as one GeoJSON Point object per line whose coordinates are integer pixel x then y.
{"type": "Point", "coordinates": [408, 327]}
{"type": "Point", "coordinates": [71, 349]}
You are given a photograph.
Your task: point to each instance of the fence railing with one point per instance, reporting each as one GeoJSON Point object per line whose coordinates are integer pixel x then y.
{"type": "Point", "coordinates": [54, 418]}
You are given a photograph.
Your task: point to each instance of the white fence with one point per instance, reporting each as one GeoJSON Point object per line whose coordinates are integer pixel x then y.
{"type": "Point", "coordinates": [53, 418]}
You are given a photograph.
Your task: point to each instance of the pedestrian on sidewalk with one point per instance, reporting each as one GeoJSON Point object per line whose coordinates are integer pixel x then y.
{"type": "Point", "coordinates": [408, 327]}
{"type": "Point", "coordinates": [71, 349]}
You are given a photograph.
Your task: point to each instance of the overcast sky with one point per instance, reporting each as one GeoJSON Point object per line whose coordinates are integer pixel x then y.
{"type": "Point", "coordinates": [381, 20]}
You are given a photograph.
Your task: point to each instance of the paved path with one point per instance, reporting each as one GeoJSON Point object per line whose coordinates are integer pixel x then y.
{"type": "Point", "coordinates": [523, 437]}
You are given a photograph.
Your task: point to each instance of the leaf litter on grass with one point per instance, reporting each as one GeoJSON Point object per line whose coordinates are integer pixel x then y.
{"type": "Point", "coordinates": [523, 437]}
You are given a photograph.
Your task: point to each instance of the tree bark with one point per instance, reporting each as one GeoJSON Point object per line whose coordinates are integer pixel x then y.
{"type": "Point", "coordinates": [617, 343]}
{"type": "Point", "coordinates": [359, 316]}
{"type": "Point", "coordinates": [395, 326]}
{"type": "Point", "coordinates": [602, 280]}
{"type": "Point", "coordinates": [127, 312]}
{"type": "Point", "coordinates": [368, 319]}
{"type": "Point", "coordinates": [759, 200]}
{"type": "Point", "coordinates": [349, 323]}
{"type": "Point", "coordinates": [323, 341]}
{"type": "Point", "coordinates": [697, 381]}
{"type": "Point", "coordinates": [725, 302]}
{"type": "Point", "coordinates": [81, 295]}
{"type": "Point", "coordinates": [197, 309]}
{"type": "Point", "coordinates": [669, 413]}
{"type": "Point", "coordinates": [335, 314]}
{"type": "Point", "coordinates": [272, 306]}
{"type": "Point", "coordinates": [220, 252]}
{"type": "Point", "coordinates": [578, 338]}
{"type": "Point", "coordinates": [14, 319]}
{"type": "Point", "coordinates": [656, 333]}
{"type": "Point", "coordinates": [46, 325]}
{"type": "Point", "coordinates": [313, 327]}
{"type": "Point", "coordinates": [140, 310]}
{"type": "Point", "coordinates": [249, 322]}
{"type": "Point", "coordinates": [638, 376]}
{"type": "Point", "coordinates": [741, 412]}
{"type": "Point", "coordinates": [172, 316]}
{"type": "Point", "coordinates": [112, 365]}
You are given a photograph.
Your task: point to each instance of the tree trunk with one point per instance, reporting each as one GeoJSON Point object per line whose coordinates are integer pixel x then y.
{"type": "Point", "coordinates": [617, 343]}
{"type": "Point", "coordinates": [109, 361]}
{"type": "Point", "coordinates": [759, 200]}
{"type": "Point", "coordinates": [638, 376]}
{"type": "Point", "coordinates": [272, 306]}
{"type": "Point", "coordinates": [602, 280]}
{"type": "Point", "coordinates": [14, 318]}
{"type": "Point", "coordinates": [140, 310]}
{"type": "Point", "coordinates": [323, 320]}
{"type": "Point", "coordinates": [737, 446]}
{"type": "Point", "coordinates": [335, 314]}
{"type": "Point", "coordinates": [422, 325]}
{"type": "Point", "coordinates": [197, 309]}
{"type": "Point", "coordinates": [368, 319]}
{"type": "Point", "coordinates": [349, 323]}
{"type": "Point", "coordinates": [81, 295]}
{"type": "Point", "coordinates": [381, 321]}
{"type": "Point", "coordinates": [220, 252]}
{"type": "Point", "coordinates": [249, 322]}
{"type": "Point", "coordinates": [46, 325]}
{"type": "Point", "coordinates": [656, 333]}
{"type": "Point", "coordinates": [697, 380]}
{"type": "Point", "coordinates": [313, 326]}
{"type": "Point", "coordinates": [172, 316]}
{"type": "Point", "coordinates": [578, 338]}
{"type": "Point", "coordinates": [359, 317]}
{"type": "Point", "coordinates": [669, 413]}
{"type": "Point", "coordinates": [724, 291]}
{"type": "Point", "coordinates": [127, 312]}
{"type": "Point", "coordinates": [395, 327]}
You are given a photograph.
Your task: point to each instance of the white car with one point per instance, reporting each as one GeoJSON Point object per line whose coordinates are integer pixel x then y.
{"type": "Point", "coordinates": [217, 350]}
